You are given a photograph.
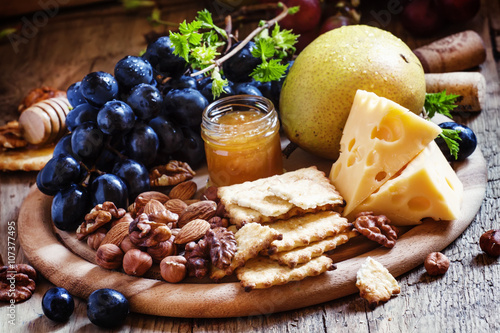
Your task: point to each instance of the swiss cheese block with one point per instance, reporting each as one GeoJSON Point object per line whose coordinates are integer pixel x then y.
{"type": "Point", "coordinates": [379, 138]}
{"type": "Point", "coordinates": [426, 187]}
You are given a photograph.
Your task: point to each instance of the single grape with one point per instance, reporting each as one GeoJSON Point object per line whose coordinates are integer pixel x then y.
{"type": "Point", "coordinates": [184, 81]}
{"type": "Point", "coordinates": [59, 173]}
{"type": "Point", "coordinates": [421, 17]}
{"type": "Point", "coordinates": [109, 187]}
{"type": "Point", "coordinates": [142, 144]}
{"type": "Point", "coordinates": [145, 100]}
{"type": "Point", "coordinates": [185, 106]}
{"type": "Point", "coordinates": [69, 207]}
{"type": "Point", "coordinates": [81, 114]}
{"type": "Point", "coordinates": [207, 92]}
{"type": "Point", "coordinates": [239, 67]}
{"type": "Point", "coordinates": [99, 87]}
{"type": "Point", "coordinates": [160, 55]}
{"type": "Point", "coordinates": [246, 88]}
{"type": "Point", "coordinates": [467, 144]}
{"type": "Point", "coordinates": [192, 150]}
{"type": "Point", "coordinates": [87, 141]}
{"type": "Point", "coordinates": [58, 304]}
{"type": "Point", "coordinates": [201, 82]}
{"type": "Point", "coordinates": [135, 175]}
{"type": "Point", "coordinates": [131, 71]}
{"type": "Point", "coordinates": [306, 19]}
{"type": "Point", "coordinates": [115, 117]}
{"type": "Point", "coordinates": [106, 160]}
{"type": "Point", "coordinates": [107, 308]}
{"type": "Point", "coordinates": [63, 146]}
{"type": "Point", "coordinates": [457, 11]}
{"type": "Point", "coordinates": [74, 94]}
{"type": "Point", "coordinates": [170, 135]}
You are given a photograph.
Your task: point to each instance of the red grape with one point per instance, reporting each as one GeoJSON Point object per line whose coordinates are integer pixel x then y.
{"type": "Point", "coordinates": [458, 10]}
{"type": "Point", "coordinates": [306, 19]}
{"type": "Point", "coordinates": [334, 22]}
{"type": "Point", "coordinates": [421, 17]}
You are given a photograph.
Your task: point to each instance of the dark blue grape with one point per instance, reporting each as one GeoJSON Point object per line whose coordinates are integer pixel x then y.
{"type": "Point", "coordinates": [142, 144]}
{"type": "Point", "coordinates": [69, 207]}
{"type": "Point", "coordinates": [99, 87]}
{"type": "Point", "coordinates": [271, 90]}
{"type": "Point", "coordinates": [246, 88]}
{"type": "Point", "coordinates": [115, 117]}
{"type": "Point", "coordinates": [106, 160]}
{"type": "Point", "coordinates": [59, 173]}
{"type": "Point", "coordinates": [109, 187]}
{"type": "Point", "coordinates": [131, 71]}
{"type": "Point", "coordinates": [192, 150]}
{"type": "Point", "coordinates": [74, 95]}
{"type": "Point", "coordinates": [87, 141]}
{"type": "Point", "coordinates": [239, 67]}
{"type": "Point", "coordinates": [135, 175]}
{"type": "Point", "coordinates": [201, 82]}
{"type": "Point", "coordinates": [81, 114]}
{"type": "Point", "coordinates": [207, 92]}
{"type": "Point", "coordinates": [160, 55]}
{"type": "Point", "coordinates": [107, 308]}
{"type": "Point", "coordinates": [58, 304]}
{"type": "Point", "coordinates": [146, 101]}
{"type": "Point", "coordinates": [185, 106]}
{"type": "Point", "coordinates": [169, 135]}
{"type": "Point", "coordinates": [63, 146]}
{"type": "Point", "coordinates": [467, 144]}
{"type": "Point", "coordinates": [185, 81]}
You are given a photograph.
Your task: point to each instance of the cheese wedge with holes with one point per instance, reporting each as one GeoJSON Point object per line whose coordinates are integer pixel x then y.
{"type": "Point", "coordinates": [380, 137]}
{"type": "Point", "coordinates": [426, 187]}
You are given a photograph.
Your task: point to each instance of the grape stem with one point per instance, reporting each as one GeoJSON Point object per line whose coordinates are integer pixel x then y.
{"type": "Point", "coordinates": [266, 25]}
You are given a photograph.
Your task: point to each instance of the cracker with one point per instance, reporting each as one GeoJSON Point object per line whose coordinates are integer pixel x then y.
{"type": "Point", "coordinates": [25, 159]}
{"type": "Point", "coordinates": [302, 230]}
{"type": "Point", "coordinates": [375, 283]}
{"type": "Point", "coordinates": [263, 272]}
{"type": "Point", "coordinates": [302, 255]}
{"type": "Point", "coordinates": [252, 238]}
{"type": "Point", "coordinates": [280, 197]}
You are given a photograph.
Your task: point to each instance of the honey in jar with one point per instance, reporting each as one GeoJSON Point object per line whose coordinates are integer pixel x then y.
{"type": "Point", "coordinates": [242, 141]}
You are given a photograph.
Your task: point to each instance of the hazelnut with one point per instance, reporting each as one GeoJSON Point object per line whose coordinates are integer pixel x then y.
{"type": "Point", "coordinates": [94, 240]}
{"type": "Point", "coordinates": [173, 268]}
{"type": "Point", "coordinates": [109, 256]}
{"type": "Point", "coordinates": [436, 263]}
{"type": "Point", "coordinates": [162, 250]}
{"type": "Point", "coordinates": [127, 245]}
{"type": "Point", "coordinates": [137, 262]}
{"type": "Point", "coordinates": [490, 242]}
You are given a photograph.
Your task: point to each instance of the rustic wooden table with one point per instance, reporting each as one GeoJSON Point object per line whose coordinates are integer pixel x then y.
{"type": "Point", "coordinates": [65, 45]}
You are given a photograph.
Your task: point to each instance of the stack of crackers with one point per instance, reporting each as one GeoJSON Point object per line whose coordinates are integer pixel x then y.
{"type": "Point", "coordinates": [285, 225]}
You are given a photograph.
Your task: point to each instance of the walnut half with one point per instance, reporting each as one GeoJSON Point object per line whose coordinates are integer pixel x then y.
{"type": "Point", "coordinates": [376, 228]}
{"type": "Point", "coordinates": [17, 282]}
{"type": "Point", "coordinates": [143, 232]}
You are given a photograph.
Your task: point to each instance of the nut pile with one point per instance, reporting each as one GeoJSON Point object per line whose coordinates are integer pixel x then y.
{"type": "Point", "coordinates": [185, 236]}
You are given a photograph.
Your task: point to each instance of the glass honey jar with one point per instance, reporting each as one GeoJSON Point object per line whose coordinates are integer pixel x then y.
{"type": "Point", "coordinates": [242, 141]}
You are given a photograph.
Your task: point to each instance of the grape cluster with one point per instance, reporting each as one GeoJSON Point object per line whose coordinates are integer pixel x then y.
{"type": "Point", "coordinates": [145, 114]}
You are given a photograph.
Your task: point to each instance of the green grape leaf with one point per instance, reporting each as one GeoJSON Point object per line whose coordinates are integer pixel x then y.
{"type": "Point", "coordinates": [181, 45]}
{"type": "Point", "coordinates": [204, 56]}
{"type": "Point", "coordinates": [218, 84]}
{"type": "Point", "coordinates": [264, 48]}
{"type": "Point", "coordinates": [269, 71]}
{"type": "Point", "coordinates": [284, 40]}
{"type": "Point", "coordinates": [440, 103]}
{"type": "Point", "coordinates": [205, 17]}
{"type": "Point", "coordinates": [451, 138]}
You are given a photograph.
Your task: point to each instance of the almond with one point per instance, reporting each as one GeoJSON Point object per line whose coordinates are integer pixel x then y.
{"type": "Point", "coordinates": [176, 206]}
{"type": "Point", "coordinates": [184, 191]}
{"type": "Point", "coordinates": [116, 234]}
{"type": "Point", "coordinates": [153, 206]}
{"type": "Point", "coordinates": [192, 231]}
{"type": "Point", "coordinates": [200, 210]}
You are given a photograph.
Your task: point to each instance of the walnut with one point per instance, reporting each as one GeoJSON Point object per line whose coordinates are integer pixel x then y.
{"type": "Point", "coordinates": [210, 193]}
{"type": "Point", "coordinates": [142, 199]}
{"type": "Point", "coordinates": [11, 135]}
{"type": "Point", "coordinates": [173, 173]}
{"type": "Point", "coordinates": [218, 221]}
{"type": "Point", "coordinates": [39, 94]}
{"type": "Point", "coordinates": [198, 258]}
{"type": "Point", "coordinates": [99, 216]}
{"type": "Point", "coordinates": [222, 245]}
{"type": "Point", "coordinates": [436, 263]}
{"type": "Point", "coordinates": [143, 232]}
{"type": "Point", "coordinates": [376, 228]}
{"type": "Point", "coordinates": [17, 282]}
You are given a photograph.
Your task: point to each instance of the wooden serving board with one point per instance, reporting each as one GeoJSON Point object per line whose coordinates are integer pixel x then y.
{"type": "Point", "coordinates": [48, 254]}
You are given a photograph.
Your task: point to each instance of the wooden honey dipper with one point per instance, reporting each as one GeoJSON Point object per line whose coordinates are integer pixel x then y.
{"type": "Point", "coordinates": [45, 122]}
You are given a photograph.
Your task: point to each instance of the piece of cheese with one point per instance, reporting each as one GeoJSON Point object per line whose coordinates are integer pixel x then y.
{"type": "Point", "coordinates": [426, 187]}
{"type": "Point", "coordinates": [380, 137]}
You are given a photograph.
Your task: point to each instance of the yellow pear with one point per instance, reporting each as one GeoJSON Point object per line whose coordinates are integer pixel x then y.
{"type": "Point", "coordinates": [319, 90]}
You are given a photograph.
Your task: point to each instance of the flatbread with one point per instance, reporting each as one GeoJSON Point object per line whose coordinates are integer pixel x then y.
{"type": "Point", "coordinates": [24, 159]}
{"type": "Point", "coordinates": [263, 272]}
{"type": "Point", "coordinates": [302, 255]}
